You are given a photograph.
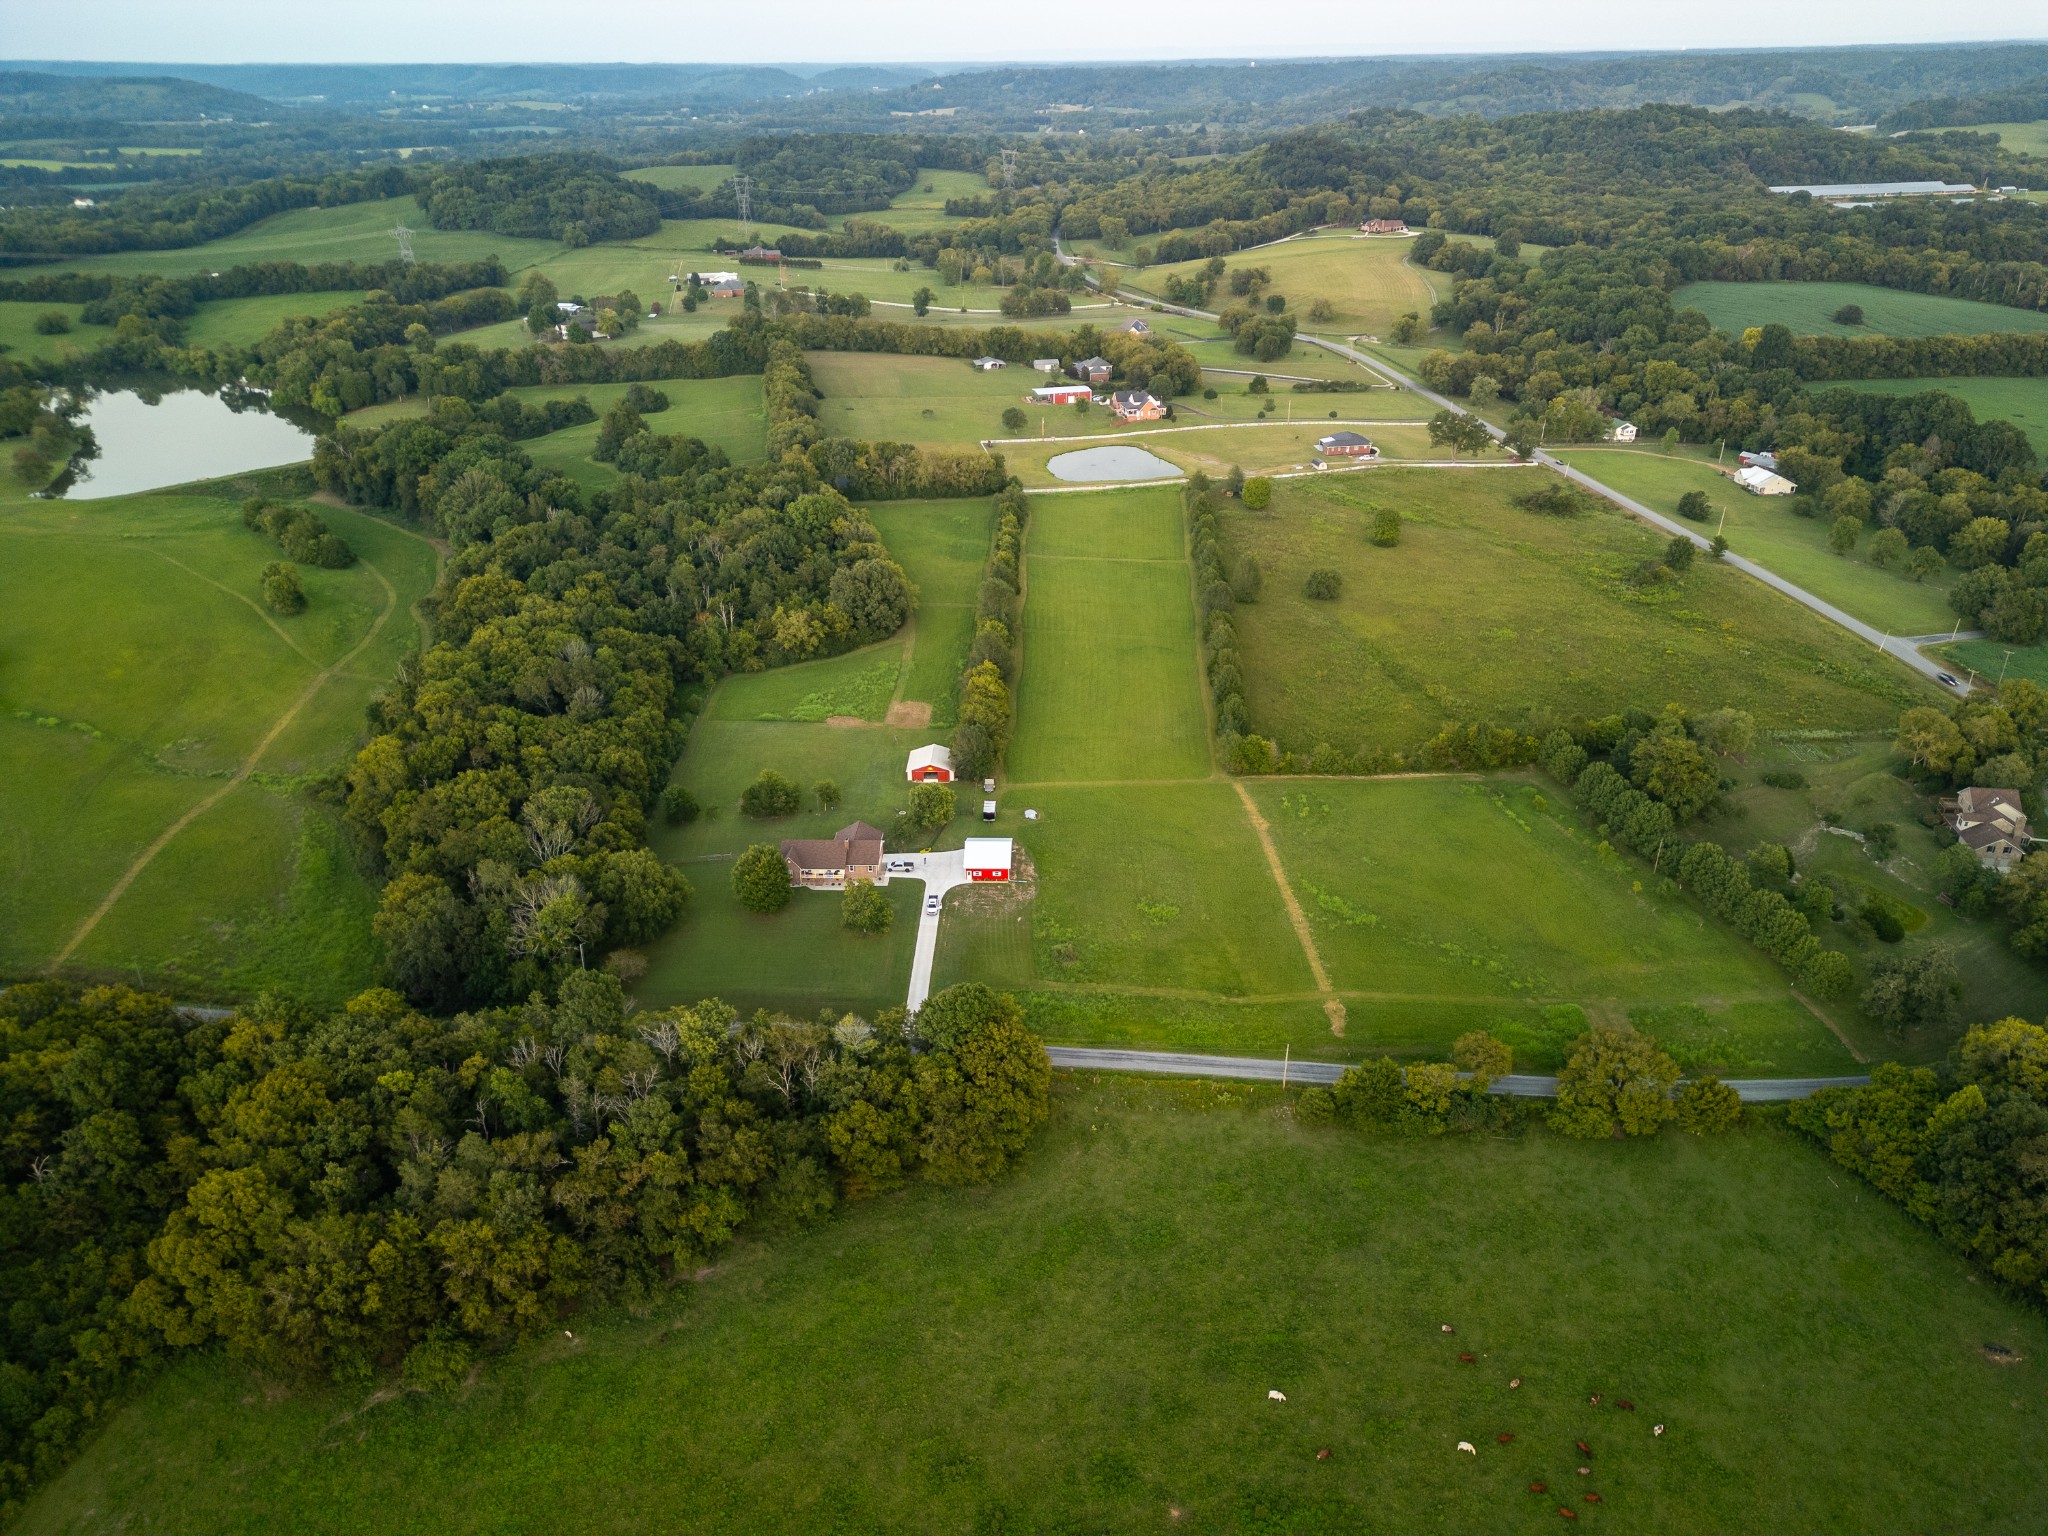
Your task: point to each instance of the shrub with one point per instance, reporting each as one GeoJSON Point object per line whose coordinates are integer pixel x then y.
{"type": "Point", "coordinates": [1694, 506]}
{"type": "Point", "coordinates": [281, 590]}
{"type": "Point", "coordinates": [760, 880]}
{"type": "Point", "coordinates": [53, 322]}
{"type": "Point", "coordinates": [771, 795]}
{"type": "Point", "coordinates": [1616, 1082]}
{"type": "Point", "coordinates": [1323, 584]}
{"type": "Point", "coordinates": [1556, 499]}
{"type": "Point", "coordinates": [865, 909]}
{"type": "Point", "coordinates": [1386, 527]}
{"type": "Point", "coordinates": [1258, 385]}
{"type": "Point", "coordinates": [827, 793]}
{"type": "Point", "coordinates": [678, 806]}
{"type": "Point", "coordinates": [1706, 1106]}
{"type": "Point", "coordinates": [932, 805]}
{"type": "Point", "coordinates": [1784, 778]}
{"type": "Point", "coordinates": [1848, 314]}
{"type": "Point", "coordinates": [1013, 420]}
{"type": "Point", "coordinates": [1258, 493]}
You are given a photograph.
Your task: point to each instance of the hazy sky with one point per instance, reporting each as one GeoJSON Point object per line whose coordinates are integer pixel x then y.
{"type": "Point", "coordinates": [845, 31]}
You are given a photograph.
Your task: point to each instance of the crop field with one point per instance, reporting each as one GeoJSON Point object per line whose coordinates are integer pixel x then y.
{"type": "Point", "coordinates": [1489, 612]}
{"type": "Point", "coordinates": [1768, 531]}
{"type": "Point", "coordinates": [1426, 890]}
{"type": "Point", "coordinates": [1109, 688]}
{"type": "Point", "coordinates": [1167, 1254]}
{"type": "Point", "coordinates": [138, 677]}
{"type": "Point", "coordinates": [1854, 784]}
{"type": "Point", "coordinates": [1805, 308]}
{"type": "Point", "coordinates": [941, 546]}
{"type": "Point", "coordinates": [1369, 283]}
{"type": "Point", "coordinates": [2023, 402]}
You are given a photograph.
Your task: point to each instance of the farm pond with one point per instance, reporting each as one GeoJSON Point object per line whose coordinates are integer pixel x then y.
{"type": "Point", "coordinates": [145, 442]}
{"type": "Point", "coordinates": [1118, 463]}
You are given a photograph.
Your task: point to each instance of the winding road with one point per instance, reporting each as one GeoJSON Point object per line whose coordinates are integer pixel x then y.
{"type": "Point", "coordinates": [1901, 647]}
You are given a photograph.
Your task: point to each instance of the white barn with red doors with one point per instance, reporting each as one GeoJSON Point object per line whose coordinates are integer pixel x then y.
{"type": "Point", "coordinates": [988, 858]}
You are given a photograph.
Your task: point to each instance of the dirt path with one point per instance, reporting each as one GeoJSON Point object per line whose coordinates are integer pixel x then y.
{"type": "Point", "coordinates": [1332, 1005]}
{"type": "Point", "coordinates": [250, 602]}
{"type": "Point", "coordinates": [241, 774]}
{"type": "Point", "coordinates": [1814, 1009]}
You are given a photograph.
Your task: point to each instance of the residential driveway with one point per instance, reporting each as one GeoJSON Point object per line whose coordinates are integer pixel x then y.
{"type": "Point", "coordinates": [940, 872]}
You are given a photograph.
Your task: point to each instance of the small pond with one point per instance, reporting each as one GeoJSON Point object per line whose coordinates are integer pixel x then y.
{"type": "Point", "coordinates": [1119, 463]}
{"type": "Point", "coordinates": [146, 442]}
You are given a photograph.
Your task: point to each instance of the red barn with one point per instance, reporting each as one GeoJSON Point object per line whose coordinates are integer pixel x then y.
{"type": "Point", "coordinates": [988, 858]}
{"type": "Point", "coordinates": [930, 765]}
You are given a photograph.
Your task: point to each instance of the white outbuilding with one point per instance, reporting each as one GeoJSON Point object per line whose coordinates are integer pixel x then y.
{"type": "Point", "coordinates": [1759, 481]}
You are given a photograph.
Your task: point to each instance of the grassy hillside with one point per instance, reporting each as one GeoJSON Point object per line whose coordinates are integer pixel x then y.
{"type": "Point", "coordinates": [1369, 283]}
{"type": "Point", "coordinates": [1167, 1255]}
{"type": "Point", "coordinates": [1805, 308]}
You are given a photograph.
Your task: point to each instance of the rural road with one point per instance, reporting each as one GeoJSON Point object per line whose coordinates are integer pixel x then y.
{"type": "Point", "coordinates": [1753, 1090]}
{"type": "Point", "coordinates": [1899, 646]}
{"type": "Point", "coordinates": [940, 872]}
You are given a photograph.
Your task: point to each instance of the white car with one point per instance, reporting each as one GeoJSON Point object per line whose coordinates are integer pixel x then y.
{"type": "Point", "coordinates": [931, 902]}
{"type": "Point", "coordinates": [902, 866]}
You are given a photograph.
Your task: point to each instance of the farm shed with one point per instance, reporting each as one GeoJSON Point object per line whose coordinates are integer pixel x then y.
{"type": "Point", "coordinates": [988, 364]}
{"type": "Point", "coordinates": [1759, 481]}
{"type": "Point", "coordinates": [1624, 432]}
{"type": "Point", "coordinates": [988, 858]}
{"type": "Point", "coordinates": [1046, 364]}
{"type": "Point", "coordinates": [930, 765]}
{"type": "Point", "coordinates": [1060, 394]}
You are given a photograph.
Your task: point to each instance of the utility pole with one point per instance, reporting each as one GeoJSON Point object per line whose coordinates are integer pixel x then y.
{"type": "Point", "coordinates": [1009, 169]}
{"type": "Point", "coordinates": [1286, 1059]}
{"type": "Point", "coordinates": [405, 245]}
{"type": "Point", "coordinates": [2001, 671]}
{"type": "Point", "coordinates": [743, 195]}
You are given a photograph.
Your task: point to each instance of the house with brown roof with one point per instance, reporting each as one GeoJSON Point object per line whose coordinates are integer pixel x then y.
{"type": "Point", "coordinates": [1384, 227]}
{"type": "Point", "coordinates": [1990, 823]}
{"type": "Point", "coordinates": [831, 863]}
{"type": "Point", "coordinates": [1136, 405]}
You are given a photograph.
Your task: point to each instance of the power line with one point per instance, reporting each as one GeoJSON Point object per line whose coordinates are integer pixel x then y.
{"type": "Point", "coordinates": [743, 194]}
{"type": "Point", "coordinates": [1009, 169]}
{"type": "Point", "coordinates": [405, 245]}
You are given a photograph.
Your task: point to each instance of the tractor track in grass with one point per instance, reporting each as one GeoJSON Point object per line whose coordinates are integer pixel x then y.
{"type": "Point", "coordinates": [242, 774]}
{"type": "Point", "coordinates": [1333, 1006]}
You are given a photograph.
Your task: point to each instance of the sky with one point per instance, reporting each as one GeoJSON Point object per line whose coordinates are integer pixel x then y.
{"type": "Point", "coordinates": [948, 31]}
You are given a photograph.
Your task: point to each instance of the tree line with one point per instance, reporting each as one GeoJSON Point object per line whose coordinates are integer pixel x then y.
{"type": "Point", "coordinates": [335, 1196]}
{"type": "Point", "coordinates": [981, 733]}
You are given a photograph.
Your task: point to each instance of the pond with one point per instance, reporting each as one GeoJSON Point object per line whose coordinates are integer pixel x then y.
{"type": "Point", "coordinates": [146, 442]}
{"type": "Point", "coordinates": [1119, 463]}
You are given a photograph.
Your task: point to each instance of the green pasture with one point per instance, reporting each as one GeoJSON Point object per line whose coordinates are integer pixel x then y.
{"type": "Point", "coordinates": [1165, 1256]}
{"type": "Point", "coordinates": [138, 671]}
{"type": "Point", "coordinates": [922, 208]}
{"type": "Point", "coordinates": [1769, 531]}
{"type": "Point", "coordinates": [680, 178]}
{"type": "Point", "coordinates": [726, 413]}
{"type": "Point", "coordinates": [19, 338]}
{"type": "Point", "coordinates": [1805, 308]}
{"type": "Point", "coordinates": [1446, 890]}
{"type": "Point", "coordinates": [2023, 402]}
{"type": "Point", "coordinates": [942, 546]}
{"type": "Point", "coordinates": [1993, 661]}
{"type": "Point", "coordinates": [1369, 283]}
{"type": "Point", "coordinates": [1109, 686]}
{"type": "Point", "coordinates": [1488, 612]}
{"type": "Point", "coordinates": [1854, 784]}
{"type": "Point", "coordinates": [2020, 138]}
{"type": "Point", "coordinates": [242, 322]}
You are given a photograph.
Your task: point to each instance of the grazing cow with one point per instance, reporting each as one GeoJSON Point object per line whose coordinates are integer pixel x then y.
{"type": "Point", "coordinates": [1595, 1399]}
{"type": "Point", "coordinates": [1504, 1439]}
{"type": "Point", "coordinates": [1323, 1454]}
{"type": "Point", "coordinates": [1567, 1511]}
{"type": "Point", "coordinates": [1624, 1403]}
{"type": "Point", "coordinates": [1539, 1487]}
{"type": "Point", "coordinates": [1277, 1396]}
{"type": "Point", "coordinates": [1585, 1449]}
{"type": "Point", "coordinates": [1659, 1429]}
{"type": "Point", "coordinates": [1467, 1359]}
{"type": "Point", "coordinates": [1449, 1329]}
{"type": "Point", "coordinates": [1592, 1498]}
{"type": "Point", "coordinates": [1468, 1447]}
{"type": "Point", "coordinates": [1516, 1382]}
{"type": "Point", "coordinates": [1585, 1471]}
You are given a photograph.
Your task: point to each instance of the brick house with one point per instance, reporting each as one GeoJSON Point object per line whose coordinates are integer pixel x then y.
{"type": "Point", "coordinates": [830, 863]}
{"type": "Point", "coordinates": [1991, 824]}
{"type": "Point", "coordinates": [1347, 445]}
{"type": "Point", "coordinates": [1092, 370]}
{"type": "Point", "coordinates": [1136, 405]}
{"type": "Point", "coordinates": [1384, 227]}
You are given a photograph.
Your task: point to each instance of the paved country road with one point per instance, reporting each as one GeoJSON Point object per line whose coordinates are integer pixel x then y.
{"type": "Point", "coordinates": [1752, 1090]}
{"type": "Point", "coordinates": [1899, 646]}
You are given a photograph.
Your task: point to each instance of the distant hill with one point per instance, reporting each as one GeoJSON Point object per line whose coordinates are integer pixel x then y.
{"type": "Point", "coordinates": [122, 98]}
{"type": "Point", "coordinates": [2023, 103]}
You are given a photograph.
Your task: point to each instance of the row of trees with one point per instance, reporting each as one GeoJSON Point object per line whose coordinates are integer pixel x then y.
{"type": "Point", "coordinates": [982, 733]}
{"type": "Point", "coordinates": [334, 1195]}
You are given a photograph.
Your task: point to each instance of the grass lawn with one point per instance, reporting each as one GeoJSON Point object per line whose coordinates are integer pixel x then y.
{"type": "Point", "coordinates": [1110, 687]}
{"type": "Point", "coordinates": [923, 207]}
{"type": "Point", "coordinates": [19, 338]}
{"type": "Point", "coordinates": [1488, 612]}
{"type": "Point", "coordinates": [942, 546]}
{"type": "Point", "coordinates": [1855, 783]}
{"type": "Point", "coordinates": [1991, 660]}
{"type": "Point", "coordinates": [241, 322]}
{"type": "Point", "coordinates": [1370, 283]}
{"type": "Point", "coordinates": [1422, 891]}
{"type": "Point", "coordinates": [137, 672]}
{"type": "Point", "coordinates": [1805, 308]}
{"type": "Point", "coordinates": [1166, 1255]}
{"type": "Point", "coordinates": [1768, 531]}
{"type": "Point", "coordinates": [2023, 402]}
{"type": "Point", "coordinates": [726, 413]}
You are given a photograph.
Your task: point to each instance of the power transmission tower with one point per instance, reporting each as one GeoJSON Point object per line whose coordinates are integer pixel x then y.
{"type": "Point", "coordinates": [743, 194]}
{"type": "Point", "coordinates": [1009, 169]}
{"type": "Point", "coordinates": [405, 245]}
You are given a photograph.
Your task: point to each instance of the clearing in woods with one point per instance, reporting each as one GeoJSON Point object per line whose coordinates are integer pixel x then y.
{"type": "Point", "coordinates": [1369, 283]}
{"type": "Point", "coordinates": [1806, 309]}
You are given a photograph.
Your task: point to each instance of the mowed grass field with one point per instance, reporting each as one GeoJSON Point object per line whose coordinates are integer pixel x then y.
{"type": "Point", "coordinates": [1805, 308]}
{"type": "Point", "coordinates": [1109, 686]}
{"type": "Point", "coordinates": [942, 547]}
{"type": "Point", "coordinates": [138, 674]}
{"type": "Point", "coordinates": [1488, 612]}
{"type": "Point", "coordinates": [1768, 531]}
{"type": "Point", "coordinates": [1370, 283]}
{"type": "Point", "coordinates": [1166, 1255]}
{"type": "Point", "coordinates": [18, 334]}
{"type": "Point", "coordinates": [1448, 890]}
{"type": "Point", "coordinates": [2023, 402]}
